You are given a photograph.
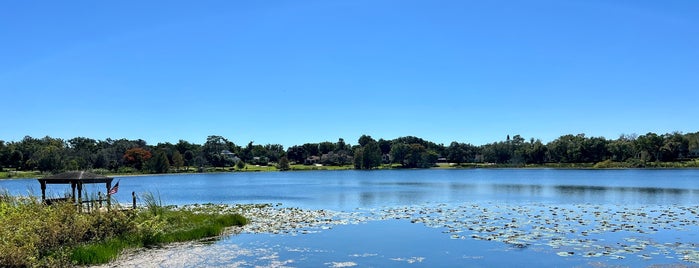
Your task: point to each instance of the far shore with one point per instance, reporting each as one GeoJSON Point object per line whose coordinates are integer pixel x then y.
{"type": "Point", "coordinates": [11, 174]}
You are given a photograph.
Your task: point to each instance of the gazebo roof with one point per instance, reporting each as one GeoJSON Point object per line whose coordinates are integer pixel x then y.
{"type": "Point", "coordinates": [75, 177]}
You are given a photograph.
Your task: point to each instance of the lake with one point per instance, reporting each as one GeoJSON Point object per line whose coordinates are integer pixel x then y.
{"type": "Point", "coordinates": [438, 218]}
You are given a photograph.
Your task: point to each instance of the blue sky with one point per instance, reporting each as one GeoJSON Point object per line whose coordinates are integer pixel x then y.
{"type": "Point", "coordinates": [292, 72]}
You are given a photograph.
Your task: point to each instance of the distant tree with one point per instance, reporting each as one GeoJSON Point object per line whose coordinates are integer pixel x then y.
{"type": "Point", "coordinates": [536, 153]}
{"type": "Point", "coordinates": [283, 164]}
{"type": "Point", "coordinates": [621, 149]}
{"type": "Point", "coordinates": [199, 162]}
{"type": "Point", "coordinates": [367, 156]}
{"type": "Point", "coordinates": [595, 149]}
{"type": "Point", "coordinates": [365, 139]}
{"type": "Point", "coordinates": [48, 159]}
{"type": "Point", "coordinates": [100, 161]}
{"type": "Point", "coordinates": [336, 158]}
{"type": "Point", "coordinates": [274, 152]}
{"type": "Point", "coordinates": [399, 151]}
{"type": "Point", "coordinates": [188, 157]}
{"type": "Point", "coordinates": [160, 163]}
{"type": "Point", "coordinates": [240, 164]}
{"type": "Point", "coordinates": [4, 154]}
{"type": "Point", "coordinates": [82, 152]}
{"type": "Point", "coordinates": [183, 146]}
{"type": "Point", "coordinates": [296, 154]}
{"type": "Point", "coordinates": [385, 146]}
{"type": "Point", "coordinates": [497, 152]}
{"type": "Point", "coordinates": [136, 157]}
{"type": "Point", "coordinates": [326, 147]}
{"type": "Point", "coordinates": [456, 153]}
{"type": "Point", "coordinates": [675, 146]}
{"type": "Point", "coordinates": [213, 148]}
{"type": "Point", "coordinates": [310, 149]}
{"type": "Point", "coordinates": [16, 159]}
{"type": "Point", "coordinates": [340, 145]}
{"type": "Point", "coordinates": [649, 146]}
{"type": "Point", "coordinates": [567, 149]}
{"type": "Point", "coordinates": [177, 160]}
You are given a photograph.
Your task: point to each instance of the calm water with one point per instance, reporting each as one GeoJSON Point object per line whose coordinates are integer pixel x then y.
{"type": "Point", "coordinates": [538, 193]}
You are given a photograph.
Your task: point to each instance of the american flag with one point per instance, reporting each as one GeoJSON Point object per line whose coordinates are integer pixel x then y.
{"type": "Point", "coordinates": [114, 189]}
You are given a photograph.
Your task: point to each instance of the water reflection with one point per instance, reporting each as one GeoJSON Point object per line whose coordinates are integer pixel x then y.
{"type": "Point", "coordinates": [343, 190]}
{"type": "Point", "coordinates": [622, 194]}
{"type": "Point", "coordinates": [517, 189]}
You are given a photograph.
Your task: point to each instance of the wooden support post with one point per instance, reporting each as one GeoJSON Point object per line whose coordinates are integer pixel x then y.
{"type": "Point", "coordinates": [72, 197]}
{"type": "Point", "coordinates": [109, 197]}
{"type": "Point", "coordinates": [80, 196]}
{"type": "Point", "coordinates": [43, 191]}
{"type": "Point", "coordinates": [133, 196]}
{"type": "Point", "coordinates": [99, 199]}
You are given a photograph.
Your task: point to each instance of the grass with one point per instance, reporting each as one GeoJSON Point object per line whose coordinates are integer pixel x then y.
{"type": "Point", "coordinates": [175, 226]}
{"type": "Point", "coordinates": [314, 167]}
{"type": "Point", "coordinates": [37, 235]}
{"type": "Point", "coordinates": [10, 174]}
{"type": "Point", "coordinates": [102, 251]}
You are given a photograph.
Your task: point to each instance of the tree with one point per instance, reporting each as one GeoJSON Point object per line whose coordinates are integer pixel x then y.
{"type": "Point", "coordinates": [326, 147]}
{"type": "Point", "coordinates": [399, 152]}
{"type": "Point", "coordinates": [649, 146]}
{"type": "Point", "coordinates": [283, 164]}
{"type": "Point", "coordinates": [240, 164]}
{"type": "Point", "coordinates": [213, 148]}
{"type": "Point", "coordinates": [385, 146]}
{"type": "Point", "coordinates": [160, 163]}
{"type": "Point", "coordinates": [621, 149]}
{"type": "Point", "coordinates": [456, 153]}
{"type": "Point", "coordinates": [136, 157]}
{"type": "Point", "coordinates": [498, 152]}
{"type": "Point", "coordinates": [340, 145]}
{"type": "Point", "coordinates": [188, 157]}
{"type": "Point", "coordinates": [83, 152]}
{"type": "Point", "coordinates": [16, 159]}
{"type": "Point", "coordinates": [310, 149]}
{"type": "Point", "coordinates": [675, 146]}
{"type": "Point", "coordinates": [365, 139]}
{"type": "Point", "coordinates": [367, 156]}
{"type": "Point", "coordinates": [536, 153]}
{"type": "Point", "coordinates": [177, 160]}
{"type": "Point", "coordinates": [274, 152]}
{"type": "Point", "coordinates": [49, 159]}
{"type": "Point", "coordinates": [296, 154]}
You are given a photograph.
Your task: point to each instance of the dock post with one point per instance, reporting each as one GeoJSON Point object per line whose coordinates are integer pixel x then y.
{"type": "Point", "coordinates": [133, 195]}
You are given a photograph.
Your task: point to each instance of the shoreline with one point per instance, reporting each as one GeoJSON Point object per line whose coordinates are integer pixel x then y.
{"type": "Point", "coordinates": [443, 166]}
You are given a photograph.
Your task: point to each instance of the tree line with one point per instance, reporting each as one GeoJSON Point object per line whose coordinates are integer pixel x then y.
{"type": "Point", "coordinates": [54, 154]}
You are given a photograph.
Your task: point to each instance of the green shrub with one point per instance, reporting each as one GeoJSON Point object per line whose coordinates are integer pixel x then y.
{"type": "Point", "coordinates": [58, 235]}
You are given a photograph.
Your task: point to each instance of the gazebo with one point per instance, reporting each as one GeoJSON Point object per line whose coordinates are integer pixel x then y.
{"type": "Point", "coordinates": [76, 179]}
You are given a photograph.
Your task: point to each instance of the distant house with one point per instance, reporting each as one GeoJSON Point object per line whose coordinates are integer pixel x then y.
{"type": "Point", "coordinates": [312, 160]}
{"type": "Point", "coordinates": [386, 159]}
{"type": "Point", "coordinates": [227, 153]}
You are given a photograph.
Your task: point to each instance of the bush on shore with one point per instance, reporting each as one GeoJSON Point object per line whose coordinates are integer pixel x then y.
{"type": "Point", "coordinates": [38, 235]}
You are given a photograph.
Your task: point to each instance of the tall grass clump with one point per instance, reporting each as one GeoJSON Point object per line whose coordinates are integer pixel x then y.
{"type": "Point", "coordinates": [102, 251]}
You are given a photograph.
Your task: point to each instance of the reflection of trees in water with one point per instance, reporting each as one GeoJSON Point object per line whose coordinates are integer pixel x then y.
{"type": "Point", "coordinates": [532, 190]}
{"type": "Point", "coordinates": [597, 193]}
{"type": "Point", "coordinates": [391, 197]}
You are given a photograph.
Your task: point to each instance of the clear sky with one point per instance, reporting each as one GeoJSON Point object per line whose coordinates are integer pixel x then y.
{"type": "Point", "coordinates": [292, 72]}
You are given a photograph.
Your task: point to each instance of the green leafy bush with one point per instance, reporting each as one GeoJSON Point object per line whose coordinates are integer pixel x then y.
{"type": "Point", "coordinates": [38, 235]}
